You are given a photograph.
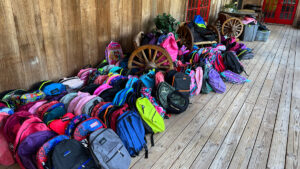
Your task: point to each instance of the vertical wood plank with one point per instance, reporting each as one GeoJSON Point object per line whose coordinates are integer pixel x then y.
{"type": "Point", "coordinates": [88, 16]}
{"type": "Point", "coordinates": [54, 41]}
{"type": "Point", "coordinates": [11, 66]}
{"type": "Point", "coordinates": [72, 33]}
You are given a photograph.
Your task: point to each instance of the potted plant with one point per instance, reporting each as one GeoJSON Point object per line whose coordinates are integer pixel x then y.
{"type": "Point", "coordinates": [232, 7]}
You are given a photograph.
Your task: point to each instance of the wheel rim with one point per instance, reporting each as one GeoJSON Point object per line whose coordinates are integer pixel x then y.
{"type": "Point", "coordinates": [150, 57]}
{"type": "Point", "coordinates": [232, 27]}
{"type": "Point", "coordinates": [186, 37]}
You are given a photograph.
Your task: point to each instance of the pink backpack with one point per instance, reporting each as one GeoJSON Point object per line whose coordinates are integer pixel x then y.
{"type": "Point", "coordinates": [199, 77]}
{"type": "Point", "coordinates": [193, 85]}
{"type": "Point", "coordinates": [108, 80]}
{"type": "Point", "coordinates": [81, 103]}
{"type": "Point", "coordinates": [33, 109]}
{"type": "Point", "coordinates": [83, 74]}
{"type": "Point", "coordinates": [74, 101]}
{"type": "Point", "coordinates": [159, 77]}
{"type": "Point", "coordinates": [113, 53]}
{"type": "Point", "coordinates": [14, 123]}
{"type": "Point", "coordinates": [6, 157]}
{"type": "Point", "coordinates": [171, 46]}
{"type": "Point", "coordinates": [29, 126]}
{"type": "Point", "coordinates": [101, 88]}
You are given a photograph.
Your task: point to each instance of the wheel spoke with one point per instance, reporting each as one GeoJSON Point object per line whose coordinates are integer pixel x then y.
{"type": "Point", "coordinates": [165, 61]}
{"type": "Point", "coordinates": [145, 57]}
{"type": "Point", "coordinates": [159, 58]}
{"type": "Point", "coordinates": [138, 63]}
{"type": "Point", "coordinates": [154, 56]}
{"type": "Point", "coordinates": [149, 50]}
{"type": "Point", "coordinates": [164, 67]}
{"type": "Point", "coordinates": [139, 57]}
{"type": "Point", "coordinates": [133, 67]}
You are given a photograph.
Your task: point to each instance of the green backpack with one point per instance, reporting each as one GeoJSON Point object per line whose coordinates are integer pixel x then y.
{"type": "Point", "coordinates": [206, 88]}
{"type": "Point", "coordinates": [149, 114]}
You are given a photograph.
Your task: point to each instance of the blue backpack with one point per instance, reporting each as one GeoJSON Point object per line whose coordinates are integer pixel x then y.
{"type": "Point", "coordinates": [54, 89]}
{"type": "Point", "coordinates": [132, 133]}
{"type": "Point", "coordinates": [121, 96]}
{"type": "Point", "coordinates": [148, 79]}
{"type": "Point", "coordinates": [131, 81]}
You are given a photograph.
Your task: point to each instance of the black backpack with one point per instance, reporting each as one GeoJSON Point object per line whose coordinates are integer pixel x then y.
{"type": "Point", "coordinates": [232, 62]}
{"type": "Point", "coordinates": [177, 102]}
{"type": "Point", "coordinates": [180, 81]}
{"type": "Point", "coordinates": [70, 154]}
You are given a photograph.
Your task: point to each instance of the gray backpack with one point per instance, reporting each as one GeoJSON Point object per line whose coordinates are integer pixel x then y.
{"type": "Point", "coordinates": [67, 99]}
{"type": "Point", "coordinates": [108, 150]}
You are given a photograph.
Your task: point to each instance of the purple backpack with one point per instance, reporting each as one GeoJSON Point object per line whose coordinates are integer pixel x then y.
{"type": "Point", "coordinates": [232, 77]}
{"type": "Point", "coordinates": [30, 145]}
{"type": "Point", "coordinates": [216, 82]}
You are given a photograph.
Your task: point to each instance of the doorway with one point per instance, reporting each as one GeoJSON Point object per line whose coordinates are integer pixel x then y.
{"type": "Point", "coordinates": [280, 11]}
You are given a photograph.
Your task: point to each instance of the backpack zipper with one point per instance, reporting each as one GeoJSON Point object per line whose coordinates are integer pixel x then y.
{"type": "Point", "coordinates": [118, 151]}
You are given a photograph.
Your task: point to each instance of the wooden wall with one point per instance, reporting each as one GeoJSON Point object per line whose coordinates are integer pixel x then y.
{"type": "Point", "coordinates": [50, 39]}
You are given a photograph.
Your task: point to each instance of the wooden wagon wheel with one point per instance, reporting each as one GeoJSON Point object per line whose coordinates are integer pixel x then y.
{"type": "Point", "coordinates": [186, 37]}
{"type": "Point", "coordinates": [232, 27]}
{"type": "Point", "coordinates": [148, 57]}
{"type": "Point", "coordinates": [216, 31]}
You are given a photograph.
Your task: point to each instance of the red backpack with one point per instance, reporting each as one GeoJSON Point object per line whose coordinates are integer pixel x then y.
{"type": "Point", "coordinates": [114, 116]}
{"type": "Point", "coordinates": [219, 63]}
{"type": "Point", "coordinates": [6, 157]}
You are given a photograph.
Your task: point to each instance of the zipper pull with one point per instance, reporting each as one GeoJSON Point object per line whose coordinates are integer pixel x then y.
{"type": "Point", "coordinates": [121, 153]}
{"type": "Point", "coordinates": [143, 109]}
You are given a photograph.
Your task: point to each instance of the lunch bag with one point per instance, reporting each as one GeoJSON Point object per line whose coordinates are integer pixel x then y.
{"type": "Point", "coordinates": [216, 81]}
{"type": "Point", "coordinates": [113, 53]}
{"type": "Point", "coordinates": [177, 102]}
{"type": "Point", "coordinates": [86, 127]}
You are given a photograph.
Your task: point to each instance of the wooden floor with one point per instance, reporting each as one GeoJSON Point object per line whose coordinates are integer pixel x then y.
{"type": "Point", "coordinates": [255, 125]}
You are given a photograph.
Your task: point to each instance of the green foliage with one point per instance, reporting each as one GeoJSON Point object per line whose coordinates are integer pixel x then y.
{"type": "Point", "coordinates": [165, 23]}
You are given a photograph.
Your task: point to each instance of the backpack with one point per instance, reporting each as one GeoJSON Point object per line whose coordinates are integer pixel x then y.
{"type": "Point", "coordinates": [75, 101]}
{"type": "Point", "coordinates": [102, 88]}
{"type": "Point", "coordinates": [44, 108]}
{"type": "Point", "coordinates": [148, 79]}
{"type": "Point", "coordinates": [180, 81]}
{"type": "Point", "coordinates": [199, 79]}
{"type": "Point", "coordinates": [96, 108]}
{"type": "Point", "coordinates": [131, 81]}
{"type": "Point", "coordinates": [38, 104]}
{"type": "Point", "coordinates": [13, 124]}
{"type": "Point", "coordinates": [219, 63]}
{"type": "Point", "coordinates": [53, 89]}
{"type": "Point", "coordinates": [108, 150]}
{"type": "Point", "coordinates": [69, 154]}
{"type": "Point", "coordinates": [114, 116]}
{"type": "Point", "coordinates": [121, 96]}
{"type": "Point", "coordinates": [132, 133]}
{"type": "Point", "coordinates": [206, 88]}
{"type": "Point", "coordinates": [113, 53]}
{"type": "Point", "coordinates": [67, 99]}
{"type": "Point", "coordinates": [108, 95]}
{"type": "Point", "coordinates": [193, 85]}
{"type": "Point", "coordinates": [162, 92]}
{"type": "Point", "coordinates": [6, 156]}
{"type": "Point", "coordinates": [177, 102]}
{"type": "Point", "coordinates": [171, 47]}
{"type": "Point", "coordinates": [232, 77]}
{"type": "Point", "coordinates": [146, 92]}
{"type": "Point", "coordinates": [69, 131]}
{"type": "Point", "coordinates": [149, 114]}
{"type": "Point", "coordinates": [28, 127]}
{"type": "Point", "coordinates": [84, 74]}
{"type": "Point", "coordinates": [159, 77]}
{"type": "Point", "coordinates": [232, 63]}
{"type": "Point", "coordinates": [90, 88]}
{"type": "Point", "coordinates": [13, 97]}
{"type": "Point", "coordinates": [86, 127]}
{"type": "Point", "coordinates": [81, 103]}
{"type": "Point", "coordinates": [30, 145]}
{"type": "Point", "coordinates": [216, 81]}
{"type": "Point", "coordinates": [46, 148]}
{"type": "Point", "coordinates": [100, 79]}
{"type": "Point", "coordinates": [59, 125]}
{"type": "Point", "coordinates": [56, 113]}
{"type": "Point", "coordinates": [89, 106]}
{"type": "Point", "coordinates": [72, 83]}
